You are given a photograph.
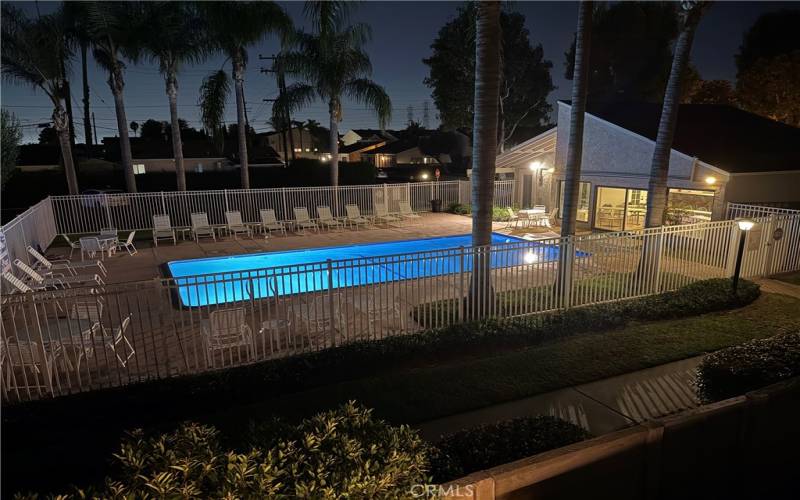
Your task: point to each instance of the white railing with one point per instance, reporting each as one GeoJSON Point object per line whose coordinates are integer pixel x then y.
{"type": "Point", "coordinates": [282, 311]}
{"type": "Point", "coordinates": [128, 212]}
{"type": "Point", "coordinates": [34, 227]}
{"type": "Point", "coordinates": [741, 210]}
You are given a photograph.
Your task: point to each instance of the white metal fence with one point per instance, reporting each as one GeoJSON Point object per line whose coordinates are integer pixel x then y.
{"type": "Point", "coordinates": [87, 214]}
{"type": "Point", "coordinates": [78, 339]}
{"type": "Point", "coordinates": [35, 227]}
{"type": "Point", "coordinates": [741, 210]}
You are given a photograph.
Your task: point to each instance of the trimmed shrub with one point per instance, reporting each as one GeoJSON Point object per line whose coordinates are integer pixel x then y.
{"type": "Point", "coordinates": [736, 370]}
{"type": "Point", "coordinates": [499, 214]}
{"type": "Point", "coordinates": [343, 453]}
{"type": "Point", "coordinates": [471, 450]}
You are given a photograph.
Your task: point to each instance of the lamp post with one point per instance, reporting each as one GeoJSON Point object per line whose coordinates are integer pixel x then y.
{"type": "Point", "coordinates": [745, 225]}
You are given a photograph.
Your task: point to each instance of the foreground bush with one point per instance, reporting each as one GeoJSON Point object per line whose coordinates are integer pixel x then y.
{"type": "Point", "coordinates": [491, 445]}
{"type": "Point", "coordinates": [736, 370]}
{"type": "Point", "coordinates": [343, 453]}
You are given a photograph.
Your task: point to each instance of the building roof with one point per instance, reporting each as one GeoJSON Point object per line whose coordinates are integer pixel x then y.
{"type": "Point", "coordinates": [356, 146]}
{"type": "Point", "coordinates": [394, 147]}
{"type": "Point", "coordinates": [728, 138]}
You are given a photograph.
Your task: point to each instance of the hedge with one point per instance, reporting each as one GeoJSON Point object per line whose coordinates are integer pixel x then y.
{"type": "Point", "coordinates": [499, 214]}
{"type": "Point", "coordinates": [471, 450]}
{"type": "Point", "coordinates": [736, 370]}
{"type": "Point", "coordinates": [240, 385]}
{"type": "Point", "coordinates": [343, 453]}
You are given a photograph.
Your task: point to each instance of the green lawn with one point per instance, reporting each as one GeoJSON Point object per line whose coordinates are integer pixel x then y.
{"type": "Point", "coordinates": [793, 278]}
{"type": "Point", "coordinates": [422, 394]}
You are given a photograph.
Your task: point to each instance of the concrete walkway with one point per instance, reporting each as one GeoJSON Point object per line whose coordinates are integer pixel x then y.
{"type": "Point", "coordinates": [776, 286]}
{"type": "Point", "coordinates": [599, 407]}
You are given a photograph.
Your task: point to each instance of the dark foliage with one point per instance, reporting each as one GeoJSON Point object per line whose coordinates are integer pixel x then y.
{"type": "Point", "coordinates": [736, 370]}
{"type": "Point", "coordinates": [487, 446]}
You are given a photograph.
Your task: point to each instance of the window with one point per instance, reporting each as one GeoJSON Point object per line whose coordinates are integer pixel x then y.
{"type": "Point", "coordinates": [583, 201]}
{"type": "Point", "coordinates": [688, 206]}
{"type": "Point", "coordinates": [618, 209]}
{"type": "Point", "coordinates": [138, 168]}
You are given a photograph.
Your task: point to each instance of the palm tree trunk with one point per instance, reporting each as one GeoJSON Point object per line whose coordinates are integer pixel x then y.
{"type": "Point", "coordinates": [177, 144]}
{"type": "Point", "coordinates": [238, 79]}
{"type": "Point", "coordinates": [117, 84]}
{"type": "Point", "coordinates": [87, 118]}
{"type": "Point", "coordinates": [580, 85]}
{"type": "Point", "coordinates": [61, 124]}
{"type": "Point", "coordinates": [484, 151]}
{"type": "Point", "coordinates": [334, 138]}
{"type": "Point", "coordinates": [659, 169]}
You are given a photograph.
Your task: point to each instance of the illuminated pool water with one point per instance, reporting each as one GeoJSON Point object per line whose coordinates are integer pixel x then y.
{"type": "Point", "coordinates": [218, 280]}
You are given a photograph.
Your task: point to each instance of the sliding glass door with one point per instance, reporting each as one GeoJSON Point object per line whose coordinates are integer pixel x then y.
{"type": "Point", "coordinates": [620, 209]}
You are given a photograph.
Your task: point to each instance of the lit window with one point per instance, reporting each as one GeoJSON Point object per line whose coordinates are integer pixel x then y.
{"type": "Point", "coordinates": [138, 168]}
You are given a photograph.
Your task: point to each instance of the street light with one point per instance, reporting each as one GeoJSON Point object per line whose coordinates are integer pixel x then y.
{"type": "Point", "coordinates": [745, 225]}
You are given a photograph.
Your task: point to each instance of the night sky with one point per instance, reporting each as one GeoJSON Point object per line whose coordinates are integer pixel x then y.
{"type": "Point", "coordinates": [402, 34]}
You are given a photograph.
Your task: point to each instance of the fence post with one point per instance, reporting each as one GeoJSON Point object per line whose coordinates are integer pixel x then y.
{"type": "Point", "coordinates": [108, 210]}
{"type": "Point", "coordinates": [225, 195]}
{"type": "Point", "coordinates": [163, 203]}
{"type": "Point", "coordinates": [333, 311]}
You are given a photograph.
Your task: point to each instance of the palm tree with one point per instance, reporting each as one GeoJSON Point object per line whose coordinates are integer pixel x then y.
{"type": "Point", "coordinates": [108, 28]}
{"type": "Point", "coordinates": [580, 85]}
{"type": "Point", "coordinates": [332, 65]}
{"type": "Point", "coordinates": [135, 128]}
{"type": "Point", "coordinates": [691, 11]}
{"type": "Point", "coordinates": [171, 35]}
{"type": "Point", "coordinates": [36, 53]}
{"type": "Point", "coordinates": [76, 18]}
{"type": "Point", "coordinates": [484, 148]}
{"type": "Point", "coordinates": [232, 27]}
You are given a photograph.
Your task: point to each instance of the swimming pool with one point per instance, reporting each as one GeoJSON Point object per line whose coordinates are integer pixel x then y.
{"type": "Point", "coordinates": [218, 280]}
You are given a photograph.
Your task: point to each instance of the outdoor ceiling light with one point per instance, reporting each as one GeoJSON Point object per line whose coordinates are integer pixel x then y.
{"type": "Point", "coordinates": [745, 224]}
{"type": "Point", "coordinates": [424, 176]}
{"type": "Point", "coordinates": [531, 257]}
{"type": "Point", "coordinates": [711, 180]}
{"type": "Point", "coordinates": [535, 165]}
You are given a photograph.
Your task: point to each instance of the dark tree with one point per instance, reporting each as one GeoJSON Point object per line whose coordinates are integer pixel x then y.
{"type": "Point", "coordinates": [49, 136]}
{"type": "Point", "coordinates": [525, 77]}
{"type": "Point", "coordinates": [711, 92]}
{"type": "Point", "coordinates": [631, 51]}
{"type": "Point", "coordinates": [154, 130]}
{"type": "Point", "coordinates": [770, 88]}
{"type": "Point", "coordinates": [773, 34]}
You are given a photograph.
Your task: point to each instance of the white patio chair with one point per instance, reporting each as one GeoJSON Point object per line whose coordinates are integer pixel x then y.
{"type": "Point", "coordinates": [354, 217]}
{"type": "Point", "coordinates": [162, 229]}
{"type": "Point", "coordinates": [382, 213]}
{"type": "Point", "coordinates": [269, 223]}
{"type": "Point", "coordinates": [513, 218]}
{"type": "Point", "coordinates": [548, 219]}
{"type": "Point", "coordinates": [50, 266]}
{"type": "Point", "coordinates": [319, 319]}
{"type": "Point", "coordinates": [235, 224]}
{"type": "Point", "coordinates": [118, 343]}
{"type": "Point", "coordinates": [72, 245]}
{"type": "Point", "coordinates": [385, 313]}
{"type": "Point", "coordinates": [32, 361]}
{"type": "Point", "coordinates": [18, 285]}
{"type": "Point", "coordinates": [326, 218]}
{"type": "Point", "coordinates": [201, 227]}
{"type": "Point", "coordinates": [110, 232]}
{"type": "Point", "coordinates": [227, 330]}
{"type": "Point", "coordinates": [303, 221]}
{"type": "Point", "coordinates": [406, 213]}
{"type": "Point", "coordinates": [58, 281]}
{"type": "Point", "coordinates": [128, 244]}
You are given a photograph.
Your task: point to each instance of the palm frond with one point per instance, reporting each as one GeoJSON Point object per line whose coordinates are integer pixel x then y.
{"type": "Point", "coordinates": [214, 93]}
{"type": "Point", "coordinates": [328, 16]}
{"type": "Point", "coordinates": [297, 96]}
{"type": "Point", "coordinates": [373, 96]}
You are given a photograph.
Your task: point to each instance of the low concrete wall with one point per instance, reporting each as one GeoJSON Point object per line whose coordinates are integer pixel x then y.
{"type": "Point", "coordinates": [745, 447]}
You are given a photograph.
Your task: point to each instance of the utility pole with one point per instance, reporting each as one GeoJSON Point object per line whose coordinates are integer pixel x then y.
{"type": "Point", "coordinates": [426, 116]}
{"type": "Point", "coordinates": [284, 117]}
{"type": "Point", "coordinates": [94, 126]}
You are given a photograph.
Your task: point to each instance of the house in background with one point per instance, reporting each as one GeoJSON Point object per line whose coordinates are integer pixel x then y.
{"type": "Point", "coordinates": [305, 144]}
{"type": "Point", "coordinates": [367, 135]}
{"type": "Point", "coordinates": [720, 154]}
{"type": "Point", "coordinates": [401, 152]}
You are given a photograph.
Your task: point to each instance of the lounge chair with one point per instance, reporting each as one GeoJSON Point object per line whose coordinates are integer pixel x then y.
{"type": "Point", "coordinates": [226, 329]}
{"type": "Point", "coordinates": [513, 218]}
{"type": "Point", "coordinates": [26, 355]}
{"type": "Point", "coordinates": [326, 218]}
{"type": "Point", "coordinates": [201, 228]}
{"type": "Point", "coordinates": [72, 245]}
{"type": "Point", "coordinates": [235, 224]}
{"type": "Point", "coordinates": [50, 266]}
{"type": "Point", "coordinates": [57, 281]}
{"type": "Point", "coordinates": [354, 217]}
{"type": "Point", "coordinates": [18, 285]}
{"type": "Point", "coordinates": [162, 229]}
{"type": "Point", "coordinates": [127, 245]}
{"type": "Point", "coordinates": [382, 214]}
{"type": "Point", "coordinates": [406, 213]}
{"type": "Point", "coordinates": [320, 319]}
{"type": "Point", "coordinates": [269, 223]}
{"type": "Point", "coordinates": [303, 221]}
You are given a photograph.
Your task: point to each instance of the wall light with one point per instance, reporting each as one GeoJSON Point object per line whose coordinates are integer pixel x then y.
{"type": "Point", "coordinates": [535, 165]}
{"type": "Point", "coordinates": [424, 177]}
{"type": "Point", "coordinates": [745, 224]}
{"type": "Point", "coordinates": [711, 180]}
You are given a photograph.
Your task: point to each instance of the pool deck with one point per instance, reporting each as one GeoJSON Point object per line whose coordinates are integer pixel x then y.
{"type": "Point", "coordinates": [146, 264]}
